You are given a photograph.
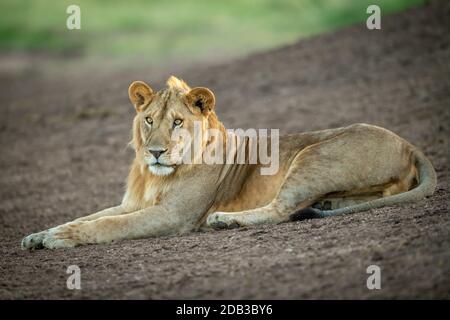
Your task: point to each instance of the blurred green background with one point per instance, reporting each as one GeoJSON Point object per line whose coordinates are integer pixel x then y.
{"type": "Point", "coordinates": [177, 29]}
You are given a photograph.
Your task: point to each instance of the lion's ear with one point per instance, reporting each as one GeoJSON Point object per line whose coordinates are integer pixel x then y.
{"type": "Point", "coordinates": [140, 95]}
{"type": "Point", "coordinates": [201, 98]}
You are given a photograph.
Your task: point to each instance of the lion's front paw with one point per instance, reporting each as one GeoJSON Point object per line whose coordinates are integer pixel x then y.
{"type": "Point", "coordinates": [65, 236]}
{"type": "Point", "coordinates": [34, 241]}
{"type": "Point", "coordinates": [222, 220]}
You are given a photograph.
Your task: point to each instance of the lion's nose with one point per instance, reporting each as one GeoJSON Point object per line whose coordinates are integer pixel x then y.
{"type": "Point", "coordinates": [157, 153]}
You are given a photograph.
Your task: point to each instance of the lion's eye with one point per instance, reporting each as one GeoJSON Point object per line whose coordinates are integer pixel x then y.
{"type": "Point", "coordinates": [177, 122]}
{"type": "Point", "coordinates": [148, 120]}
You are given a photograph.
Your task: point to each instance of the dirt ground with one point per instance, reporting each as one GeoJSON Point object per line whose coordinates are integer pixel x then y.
{"type": "Point", "coordinates": [64, 155]}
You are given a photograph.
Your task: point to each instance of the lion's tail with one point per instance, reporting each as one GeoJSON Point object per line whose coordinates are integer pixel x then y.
{"type": "Point", "coordinates": [426, 187]}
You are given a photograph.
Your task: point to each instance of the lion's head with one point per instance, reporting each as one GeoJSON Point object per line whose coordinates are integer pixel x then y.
{"type": "Point", "coordinates": [158, 114]}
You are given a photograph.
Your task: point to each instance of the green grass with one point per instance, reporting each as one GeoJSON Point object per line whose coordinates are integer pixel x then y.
{"type": "Point", "coordinates": [173, 29]}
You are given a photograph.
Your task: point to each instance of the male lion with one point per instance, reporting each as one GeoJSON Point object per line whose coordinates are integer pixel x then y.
{"type": "Point", "coordinates": [321, 174]}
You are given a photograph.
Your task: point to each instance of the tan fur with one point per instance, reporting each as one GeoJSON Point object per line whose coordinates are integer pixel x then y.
{"type": "Point", "coordinates": [338, 170]}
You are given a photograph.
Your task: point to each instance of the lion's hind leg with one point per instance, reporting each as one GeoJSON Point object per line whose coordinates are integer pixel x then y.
{"type": "Point", "coordinates": [362, 199]}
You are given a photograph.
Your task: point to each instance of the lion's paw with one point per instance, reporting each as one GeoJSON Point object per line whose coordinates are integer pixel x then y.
{"type": "Point", "coordinates": [222, 220]}
{"type": "Point", "coordinates": [34, 241]}
{"type": "Point", "coordinates": [64, 236]}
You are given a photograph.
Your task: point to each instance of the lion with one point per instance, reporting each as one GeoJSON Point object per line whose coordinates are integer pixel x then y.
{"type": "Point", "coordinates": [321, 174]}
